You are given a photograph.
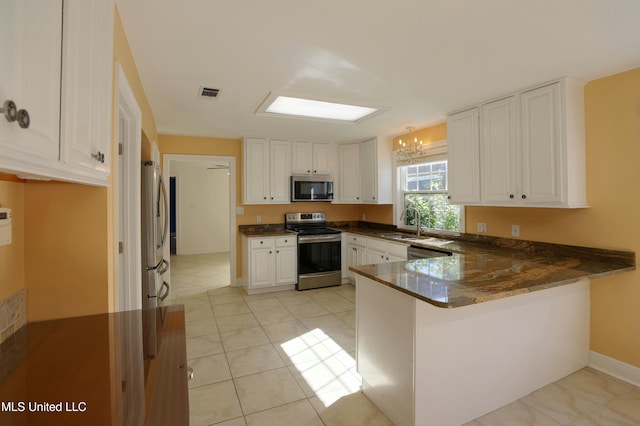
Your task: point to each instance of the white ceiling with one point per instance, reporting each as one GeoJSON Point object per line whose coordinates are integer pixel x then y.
{"type": "Point", "coordinates": [420, 58]}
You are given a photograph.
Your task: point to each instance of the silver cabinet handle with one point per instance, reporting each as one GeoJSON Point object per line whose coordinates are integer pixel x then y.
{"type": "Point", "coordinates": [10, 111]}
{"type": "Point", "coordinates": [23, 119]}
{"type": "Point", "coordinates": [99, 156]}
{"type": "Point", "coordinates": [166, 294]}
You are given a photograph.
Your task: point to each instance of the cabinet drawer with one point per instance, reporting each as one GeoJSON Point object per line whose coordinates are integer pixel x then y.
{"type": "Point", "coordinates": [287, 241]}
{"type": "Point", "coordinates": [380, 245]}
{"type": "Point", "coordinates": [255, 243]}
{"type": "Point", "coordinates": [357, 240]}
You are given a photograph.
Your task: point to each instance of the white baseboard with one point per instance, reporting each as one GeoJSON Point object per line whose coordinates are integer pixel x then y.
{"type": "Point", "coordinates": [618, 369]}
{"type": "Point", "coordinates": [203, 250]}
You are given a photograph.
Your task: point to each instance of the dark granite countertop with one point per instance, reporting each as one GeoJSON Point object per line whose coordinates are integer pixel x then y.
{"type": "Point", "coordinates": [481, 268]}
{"type": "Point", "coordinates": [268, 230]}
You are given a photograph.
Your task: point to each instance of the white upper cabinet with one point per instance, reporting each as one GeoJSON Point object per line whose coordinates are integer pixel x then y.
{"type": "Point", "coordinates": [350, 178]}
{"type": "Point", "coordinates": [57, 67]}
{"type": "Point", "coordinates": [543, 155]}
{"type": "Point", "coordinates": [267, 167]}
{"type": "Point", "coordinates": [532, 149]}
{"type": "Point", "coordinates": [280, 171]}
{"type": "Point", "coordinates": [499, 148]}
{"type": "Point", "coordinates": [87, 68]}
{"type": "Point", "coordinates": [365, 172]}
{"type": "Point", "coordinates": [310, 158]}
{"type": "Point", "coordinates": [463, 157]}
{"type": "Point", "coordinates": [31, 34]}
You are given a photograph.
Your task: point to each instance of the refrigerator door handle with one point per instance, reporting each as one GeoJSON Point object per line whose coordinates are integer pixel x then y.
{"type": "Point", "coordinates": [165, 230]}
{"type": "Point", "coordinates": [164, 295]}
{"type": "Point", "coordinates": [163, 267]}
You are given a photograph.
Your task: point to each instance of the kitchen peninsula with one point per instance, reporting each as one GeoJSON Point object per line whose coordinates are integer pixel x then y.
{"type": "Point", "coordinates": [444, 340]}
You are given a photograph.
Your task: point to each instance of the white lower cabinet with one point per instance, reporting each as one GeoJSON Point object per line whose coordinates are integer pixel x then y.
{"type": "Point", "coordinates": [361, 250]}
{"type": "Point", "coordinates": [269, 263]}
{"type": "Point", "coordinates": [355, 253]}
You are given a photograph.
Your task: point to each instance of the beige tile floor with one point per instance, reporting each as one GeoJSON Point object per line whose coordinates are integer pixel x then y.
{"type": "Point", "coordinates": [287, 359]}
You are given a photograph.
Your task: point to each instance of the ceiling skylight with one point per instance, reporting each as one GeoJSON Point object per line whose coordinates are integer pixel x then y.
{"type": "Point", "coordinates": [315, 109]}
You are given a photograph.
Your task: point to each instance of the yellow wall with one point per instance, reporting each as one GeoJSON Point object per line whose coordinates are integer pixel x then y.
{"type": "Point", "coordinates": [123, 55]}
{"type": "Point", "coordinates": [66, 268]}
{"type": "Point", "coordinates": [12, 255]}
{"type": "Point", "coordinates": [427, 135]}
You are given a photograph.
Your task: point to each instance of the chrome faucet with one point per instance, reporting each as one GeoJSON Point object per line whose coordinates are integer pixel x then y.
{"type": "Point", "coordinates": [417, 216]}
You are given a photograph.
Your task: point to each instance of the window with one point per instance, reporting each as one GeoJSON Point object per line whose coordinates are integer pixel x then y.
{"type": "Point", "coordinates": [424, 187]}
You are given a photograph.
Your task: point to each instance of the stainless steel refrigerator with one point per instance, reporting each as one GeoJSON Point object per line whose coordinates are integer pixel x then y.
{"type": "Point", "coordinates": [155, 233]}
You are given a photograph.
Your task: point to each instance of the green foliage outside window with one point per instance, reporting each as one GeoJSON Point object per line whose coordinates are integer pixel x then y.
{"type": "Point", "coordinates": [435, 212]}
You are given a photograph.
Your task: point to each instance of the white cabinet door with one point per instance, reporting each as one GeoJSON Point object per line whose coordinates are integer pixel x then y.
{"type": "Point", "coordinates": [463, 157]}
{"type": "Point", "coordinates": [262, 268]}
{"type": "Point", "coordinates": [256, 171]}
{"type": "Point", "coordinates": [375, 256]}
{"type": "Point", "coordinates": [286, 265]}
{"type": "Point", "coordinates": [301, 158]}
{"type": "Point", "coordinates": [498, 147]}
{"type": "Point", "coordinates": [542, 153]}
{"type": "Point", "coordinates": [350, 177]}
{"type": "Point", "coordinates": [369, 171]}
{"type": "Point", "coordinates": [310, 158]}
{"type": "Point", "coordinates": [87, 69]}
{"type": "Point", "coordinates": [321, 159]}
{"type": "Point", "coordinates": [356, 255]}
{"type": "Point", "coordinates": [31, 35]}
{"type": "Point", "coordinates": [280, 171]}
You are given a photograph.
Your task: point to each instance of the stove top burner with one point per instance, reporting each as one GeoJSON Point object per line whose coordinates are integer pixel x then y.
{"type": "Point", "coordinates": [308, 224]}
{"type": "Point", "coordinates": [316, 231]}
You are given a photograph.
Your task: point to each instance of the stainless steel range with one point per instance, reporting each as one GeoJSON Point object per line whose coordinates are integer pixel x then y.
{"type": "Point", "coordinates": [319, 247]}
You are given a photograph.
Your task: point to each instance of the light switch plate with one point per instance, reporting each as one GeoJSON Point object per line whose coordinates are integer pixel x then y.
{"type": "Point", "coordinates": [482, 227]}
{"type": "Point", "coordinates": [5, 226]}
{"type": "Point", "coordinates": [515, 230]}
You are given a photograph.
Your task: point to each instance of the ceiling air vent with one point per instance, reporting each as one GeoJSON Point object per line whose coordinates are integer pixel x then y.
{"type": "Point", "coordinates": [208, 92]}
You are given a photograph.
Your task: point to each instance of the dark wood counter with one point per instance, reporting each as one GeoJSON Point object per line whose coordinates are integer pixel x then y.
{"type": "Point", "coordinates": [110, 369]}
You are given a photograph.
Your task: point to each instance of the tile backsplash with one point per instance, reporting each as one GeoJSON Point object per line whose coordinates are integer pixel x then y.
{"type": "Point", "coordinates": [13, 314]}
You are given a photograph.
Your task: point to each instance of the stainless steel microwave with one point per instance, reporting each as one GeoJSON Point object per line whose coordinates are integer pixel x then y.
{"type": "Point", "coordinates": [311, 188]}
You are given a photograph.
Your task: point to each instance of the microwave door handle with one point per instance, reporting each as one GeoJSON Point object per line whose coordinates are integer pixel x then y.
{"type": "Point", "coordinates": [165, 230]}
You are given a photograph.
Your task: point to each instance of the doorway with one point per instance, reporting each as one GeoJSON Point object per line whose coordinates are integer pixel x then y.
{"type": "Point", "coordinates": [204, 197]}
{"type": "Point", "coordinates": [173, 249]}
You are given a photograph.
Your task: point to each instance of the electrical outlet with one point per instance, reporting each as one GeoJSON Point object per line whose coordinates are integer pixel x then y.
{"type": "Point", "coordinates": [364, 217]}
{"type": "Point", "coordinates": [515, 230]}
{"type": "Point", "coordinates": [239, 211]}
{"type": "Point", "coordinates": [482, 227]}
{"type": "Point", "coordinates": [258, 218]}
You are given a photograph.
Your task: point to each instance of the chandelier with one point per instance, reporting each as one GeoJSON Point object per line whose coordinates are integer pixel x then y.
{"type": "Point", "coordinates": [410, 150]}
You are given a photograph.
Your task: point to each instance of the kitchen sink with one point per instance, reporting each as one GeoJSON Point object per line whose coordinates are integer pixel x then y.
{"type": "Point", "coordinates": [399, 236]}
{"type": "Point", "coordinates": [416, 239]}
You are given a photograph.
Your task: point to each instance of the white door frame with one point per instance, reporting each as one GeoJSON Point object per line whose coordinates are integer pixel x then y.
{"type": "Point", "coordinates": [129, 293]}
{"type": "Point", "coordinates": [166, 162]}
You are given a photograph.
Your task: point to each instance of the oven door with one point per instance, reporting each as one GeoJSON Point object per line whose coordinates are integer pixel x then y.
{"type": "Point", "coordinates": [319, 263]}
